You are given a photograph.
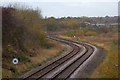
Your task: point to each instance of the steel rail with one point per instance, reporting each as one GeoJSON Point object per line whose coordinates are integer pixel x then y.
{"type": "Point", "coordinates": [67, 71]}
{"type": "Point", "coordinates": [64, 58]}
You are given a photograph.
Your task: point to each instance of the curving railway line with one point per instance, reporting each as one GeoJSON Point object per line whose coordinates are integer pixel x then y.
{"type": "Point", "coordinates": [65, 66]}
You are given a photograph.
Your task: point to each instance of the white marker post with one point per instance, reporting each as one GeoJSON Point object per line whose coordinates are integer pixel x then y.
{"type": "Point", "coordinates": [15, 61]}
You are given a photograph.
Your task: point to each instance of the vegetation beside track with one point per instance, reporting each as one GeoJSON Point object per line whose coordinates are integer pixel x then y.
{"type": "Point", "coordinates": [109, 67]}
{"type": "Point", "coordinates": [24, 38]}
{"type": "Point", "coordinates": [24, 35]}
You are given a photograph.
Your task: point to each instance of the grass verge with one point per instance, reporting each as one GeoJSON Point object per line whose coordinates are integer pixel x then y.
{"type": "Point", "coordinates": [109, 42]}
{"type": "Point", "coordinates": [40, 58]}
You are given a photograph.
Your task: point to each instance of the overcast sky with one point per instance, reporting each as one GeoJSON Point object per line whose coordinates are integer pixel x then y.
{"type": "Point", "coordinates": [60, 8]}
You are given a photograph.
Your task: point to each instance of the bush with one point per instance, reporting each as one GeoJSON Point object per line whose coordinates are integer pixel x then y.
{"type": "Point", "coordinates": [90, 33]}
{"type": "Point", "coordinates": [22, 34]}
{"type": "Point", "coordinates": [70, 33]}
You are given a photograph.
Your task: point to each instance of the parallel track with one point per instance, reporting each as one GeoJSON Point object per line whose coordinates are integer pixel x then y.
{"type": "Point", "coordinates": [69, 62]}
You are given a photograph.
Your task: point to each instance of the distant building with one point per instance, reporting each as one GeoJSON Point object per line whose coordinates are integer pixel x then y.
{"type": "Point", "coordinates": [101, 24]}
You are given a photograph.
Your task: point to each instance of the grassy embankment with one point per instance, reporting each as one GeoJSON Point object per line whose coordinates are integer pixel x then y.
{"type": "Point", "coordinates": [24, 38]}
{"type": "Point", "coordinates": [109, 67]}
{"type": "Point", "coordinates": [109, 41]}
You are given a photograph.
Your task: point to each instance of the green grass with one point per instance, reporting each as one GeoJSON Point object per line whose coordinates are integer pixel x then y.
{"type": "Point", "coordinates": [109, 67]}
{"type": "Point", "coordinates": [111, 63]}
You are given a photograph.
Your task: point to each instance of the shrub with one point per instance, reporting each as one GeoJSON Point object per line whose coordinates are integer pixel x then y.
{"type": "Point", "coordinates": [90, 33]}
{"type": "Point", "coordinates": [22, 34]}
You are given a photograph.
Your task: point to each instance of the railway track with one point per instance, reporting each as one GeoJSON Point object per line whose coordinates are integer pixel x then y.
{"type": "Point", "coordinates": [64, 66]}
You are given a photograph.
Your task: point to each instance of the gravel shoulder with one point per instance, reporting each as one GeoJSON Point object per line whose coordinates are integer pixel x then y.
{"type": "Point", "coordinates": [89, 66]}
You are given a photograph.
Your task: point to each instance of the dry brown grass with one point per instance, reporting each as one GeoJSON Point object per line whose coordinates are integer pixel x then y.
{"type": "Point", "coordinates": [43, 56]}
{"type": "Point", "coordinates": [109, 67]}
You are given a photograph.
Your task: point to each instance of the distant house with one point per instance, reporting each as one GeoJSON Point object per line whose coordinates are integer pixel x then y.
{"type": "Point", "coordinates": [99, 24]}
{"type": "Point", "coordinates": [114, 24]}
{"type": "Point", "coordinates": [103, 24]}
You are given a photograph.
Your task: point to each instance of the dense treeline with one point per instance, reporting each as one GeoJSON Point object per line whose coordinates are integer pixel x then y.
{"type": "Point", "coordinates": [81, 26]}
{"type": "Point", "coordinates": [67, 23]}
{"type": "Point", "coordinates": [22, 34]}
